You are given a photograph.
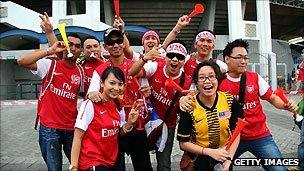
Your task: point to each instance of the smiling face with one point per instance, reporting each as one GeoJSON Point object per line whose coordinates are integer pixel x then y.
{"type": "Point", "coordinates": [237, 61]}
{"type": "Point", "coordinates": [204, 47]}
{"type": "Point", "coordinates": [115, 46]}
{"type": "Point", "coordinates": [174, 63]}
{"type": "Point", "coordinates": [149, 42]}
{"type": "Point", "coordinates": [207, 82]}
{"type": "Point", "coordinates": [112, 87]}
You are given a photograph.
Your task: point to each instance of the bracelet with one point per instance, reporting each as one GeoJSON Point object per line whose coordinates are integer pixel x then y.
{"type": "Point", "coordinates": [175, 31]}
{"type": "Point", "coordinates": [203, 151]}
{"type": "Point", "coordinates": [143, 59]}
{"type": "Point", "coordinates": [127, 130]}
{"type": "Point", "coordinates": [47, 51]}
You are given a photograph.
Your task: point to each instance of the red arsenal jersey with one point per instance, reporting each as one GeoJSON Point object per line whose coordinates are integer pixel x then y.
{"type": "Point", "coordinates": [59, 104]}
{"type": "Point", "coordinates": [101, 123]}
{"type": "Point", "coordinates": [162, 95]}
{"type": "Point", "coordinates": [89, 67]}
{"type": "Point", "coordinates": [256, 88]}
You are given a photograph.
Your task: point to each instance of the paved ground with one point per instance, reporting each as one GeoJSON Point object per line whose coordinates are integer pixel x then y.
{"type": "Point", "coordinates": [20, 150]}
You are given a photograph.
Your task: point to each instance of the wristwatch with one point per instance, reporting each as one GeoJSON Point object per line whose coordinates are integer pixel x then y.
{"type": "Point", "coordinates": [73, 168]}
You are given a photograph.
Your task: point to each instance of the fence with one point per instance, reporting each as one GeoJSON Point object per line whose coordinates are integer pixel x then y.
{"type": "Point", "coordinates": [19, 91]}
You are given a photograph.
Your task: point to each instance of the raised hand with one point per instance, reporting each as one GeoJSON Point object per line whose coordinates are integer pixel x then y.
{"type": "Point", "coordinates": [57, 47]}
{"type": "Point", "coordinates": [152, 54]}
{"type": "Point", "coordinates": [45, 24]}
{"type": "Point", "coordinates": [133, 116]}
{"type": "Point", "coordinates": [183, 21]}
{"type": "Point", "coordinates": [119, 23]}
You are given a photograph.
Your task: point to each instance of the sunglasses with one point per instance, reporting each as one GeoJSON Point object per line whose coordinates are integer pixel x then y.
{"type": "Point", "coordinates": [178, 56]}
{"type": "Point", "coordinates": [111, 42]}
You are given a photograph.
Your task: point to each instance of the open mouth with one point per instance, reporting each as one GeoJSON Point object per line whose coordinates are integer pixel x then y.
{"type": "Point", "coordinates": [174, 66]}
{"type": "Point", "coordinates": [150, 45]}
{"type": "Point", "coordinates": [208, 87]}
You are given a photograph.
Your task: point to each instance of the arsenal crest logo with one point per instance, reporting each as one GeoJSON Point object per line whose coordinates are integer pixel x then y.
{"type": "Point", "coordinates": [250, 88]}
{"type": "Point", "coordinates": [75, 79]}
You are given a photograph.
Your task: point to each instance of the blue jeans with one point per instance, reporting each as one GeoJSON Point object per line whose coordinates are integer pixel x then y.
{"type": "Point", "coordinates": [301, 148]}
{"type": "Point", "coordinates": [261, 148]}
{"type": "Point", "coordinates": [51, 142]}
{"type": "Point", "coordinates": [164, 158]}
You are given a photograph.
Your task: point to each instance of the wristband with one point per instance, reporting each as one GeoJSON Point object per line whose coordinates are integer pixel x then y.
{"type": "Point", "coordinates": [143, 59]}
{"type": "Point", "coordinates": [127, 130]}
{"type": "Point", "coordinates": [228, 158]}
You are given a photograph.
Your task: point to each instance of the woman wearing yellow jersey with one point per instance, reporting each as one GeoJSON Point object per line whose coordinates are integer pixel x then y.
{"type": "Point", "coordinates": [204, 132]}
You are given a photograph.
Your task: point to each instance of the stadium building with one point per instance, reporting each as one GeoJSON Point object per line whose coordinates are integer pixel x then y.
{"type": "Point", "coordinates": [274, 29]}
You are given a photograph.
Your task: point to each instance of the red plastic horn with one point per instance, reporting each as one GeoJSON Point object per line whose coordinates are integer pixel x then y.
{"type": "Point", "coordinates": [198, 9]}
{"type": "Point", "coordinates": [280, 92]}
{"type": "Point", "coordinates": [240, 125]}
{"type": "Point", "coordinates": [116, 8]}
{"type": "Point", "coordinates": [170, 83]}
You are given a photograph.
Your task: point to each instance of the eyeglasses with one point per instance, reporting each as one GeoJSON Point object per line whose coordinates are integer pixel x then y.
{"type": "Point", "coordinates": [178, 56]}
{"type": "Point", "coordinates": [111, 42]}
{"type": "Point", "coordinates": [240, 57]}
{"type": "Point", "coordinates": [209, 77]}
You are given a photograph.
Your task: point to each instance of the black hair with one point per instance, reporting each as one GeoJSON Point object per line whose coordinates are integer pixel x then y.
{"type": "Point", "coordinates": [75, 35]}
{"type": "Point", "coordinates": [236, 43]}
{"type": "Point", "coordinates": [219, 75]}
{"type": "Point", "coordinates": [91, 37]}
{"type": "Point", "coordinates": [210, 31]}
{"type": "Point", "coordinates": [117, 72]}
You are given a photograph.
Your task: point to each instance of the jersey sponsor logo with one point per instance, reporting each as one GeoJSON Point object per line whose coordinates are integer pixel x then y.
{"type": "Point", "coordinates": [57, 73]}
{"type": "Point", "coordinates": [75, 79]}
{"type": "Point", "coordinates": [62, 92]}
{"type": "Point", "coordinates": [224, 114]}
{"type": "Point", "coordinates": [250, 88]}
{"type": "Point", "coordinates": [159, 97]}
{"type": "Point", "coordinates": [87, 67]}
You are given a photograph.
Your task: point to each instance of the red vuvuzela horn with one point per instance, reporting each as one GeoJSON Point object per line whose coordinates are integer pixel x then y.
{"type": "Point", "coordinates": [280, 92]}
{"type": "Point", "coordinates": [116, 8]}
{"type": "Point", "coordinates": [198, 9]}
{"type": "Point", "coordinates": [239, 126]}
{"type": "Point", "coordinates": [170, 83]}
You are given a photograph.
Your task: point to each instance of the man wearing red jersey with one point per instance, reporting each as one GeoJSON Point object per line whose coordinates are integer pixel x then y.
{"type": "Point", "coordinates": [92, 53]}
{"type": "Point", "coordinates": [162, 95]}
{"type": "Point", "coordinates": [204, 45]}
{"type": "Point", "coordinates": [58, 99]}
{"type": "Point", "coordinates": [255, 137]}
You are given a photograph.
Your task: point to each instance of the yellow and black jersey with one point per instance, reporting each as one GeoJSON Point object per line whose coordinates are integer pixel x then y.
{"type": "Point", "coordinates": [209, 127]}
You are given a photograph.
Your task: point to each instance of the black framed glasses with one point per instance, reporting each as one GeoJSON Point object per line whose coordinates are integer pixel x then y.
{"type": "Point", "coordinates": [111, 42]}
{"type": "Point", "coordinates": [178, 56]}
{"type": "Point", "coordinates": [240, 57]}
{"type": "Point", "coordinates": [211, 77]}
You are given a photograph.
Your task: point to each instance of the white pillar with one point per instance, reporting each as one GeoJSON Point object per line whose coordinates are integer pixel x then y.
{"type": "Point", "coordinates": [273, 70]}
{"type": "Point", "coordinates": [59, 8]}
{"type": "Point", "coordinates": [93, 9]}
{"type": "Point", "coordinates": [264, 35]}
{"type": "Point", "coordinates": [235, 20]}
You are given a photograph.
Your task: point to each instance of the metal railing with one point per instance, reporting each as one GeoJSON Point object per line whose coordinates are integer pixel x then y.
{"type": "Point", "coordinates": [19, 91]}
